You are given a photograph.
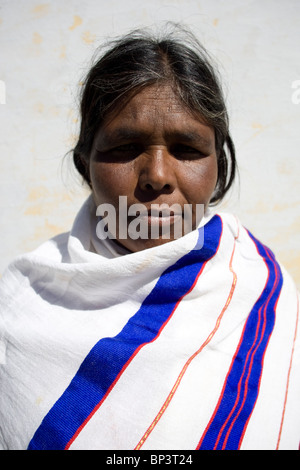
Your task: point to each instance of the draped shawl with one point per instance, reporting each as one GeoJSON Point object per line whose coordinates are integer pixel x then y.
{"type": "Point", "coordinates": [189, 345]}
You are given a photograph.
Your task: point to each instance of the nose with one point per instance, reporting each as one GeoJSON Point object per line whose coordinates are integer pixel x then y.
{"type": "Point", "coordinates": [156, 173]}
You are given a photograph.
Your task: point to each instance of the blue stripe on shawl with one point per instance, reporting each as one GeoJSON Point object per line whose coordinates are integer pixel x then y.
{"type": "Point", "coordinates": [106, 359]}
{"type": "Point", "coordinates": [242, 385]}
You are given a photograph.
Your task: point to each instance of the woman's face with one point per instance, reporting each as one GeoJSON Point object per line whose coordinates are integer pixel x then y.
{"type": "Point", "coordinates": [154, 152]}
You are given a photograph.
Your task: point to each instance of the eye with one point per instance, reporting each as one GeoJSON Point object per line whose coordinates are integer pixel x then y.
{"type": "Point", "coordinates": [131, 150]}
{"type": "Point", "coordinates": [120, 153]}
{"type": "Point", "coordinates": [125, 148]}
{"type": "Point", "coordinates": [185, 152]}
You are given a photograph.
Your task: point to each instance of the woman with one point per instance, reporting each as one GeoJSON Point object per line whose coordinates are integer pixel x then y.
{"type": "Point", "coordinates": [150, 326]}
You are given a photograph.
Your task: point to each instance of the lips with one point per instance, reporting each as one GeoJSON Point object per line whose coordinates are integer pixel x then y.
{"type": "Point", "coordinates": [138, 221]}
{"type": "Point", "coordinates": [163, 221]}
{"type": "Point", "coordinates": [164, 210]}
{"type": "Point", "coordinates": [161, 215]}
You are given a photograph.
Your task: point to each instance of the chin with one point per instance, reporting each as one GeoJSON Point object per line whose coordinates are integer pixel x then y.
{"type": "Point", "coordinates": [144, 244]}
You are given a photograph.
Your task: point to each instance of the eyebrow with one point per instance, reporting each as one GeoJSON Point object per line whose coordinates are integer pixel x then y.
{"type": "Point", "coordinates": [128, 133]}
{"type": "Point", "coordinates": [189, 137]}
{"type": "Point", "coordinates": [125, 133]}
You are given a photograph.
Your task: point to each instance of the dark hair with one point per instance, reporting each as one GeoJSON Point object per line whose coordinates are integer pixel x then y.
{"type": "Point", "coordinates": [141, 59]}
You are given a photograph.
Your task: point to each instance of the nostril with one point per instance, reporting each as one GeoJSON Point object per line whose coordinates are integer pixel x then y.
{"type": "Point", "coordinates": [150, 187]}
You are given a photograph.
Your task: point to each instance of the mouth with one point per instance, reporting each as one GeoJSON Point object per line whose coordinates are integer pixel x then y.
{"type": "Point", "coordinates": [137, 221]}
{"type": "Point", "coordinates": [161, 215]}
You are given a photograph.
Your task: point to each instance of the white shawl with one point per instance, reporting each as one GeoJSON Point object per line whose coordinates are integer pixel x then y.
{"type": "Point", "coordinates": [180, 346]}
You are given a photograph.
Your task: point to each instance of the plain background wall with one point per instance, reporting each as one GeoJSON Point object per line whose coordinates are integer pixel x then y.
{"type": "Point", "coordinates": [45, 50]}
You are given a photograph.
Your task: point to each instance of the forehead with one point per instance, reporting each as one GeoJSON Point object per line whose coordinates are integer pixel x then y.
{"type": "Point", "coordinates": [156, 109]}
{"type": "Point", "coordinates": [157, 99]}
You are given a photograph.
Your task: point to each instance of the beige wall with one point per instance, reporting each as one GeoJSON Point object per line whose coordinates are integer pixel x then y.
{"type": "Point", "coordinates": [45, 49]}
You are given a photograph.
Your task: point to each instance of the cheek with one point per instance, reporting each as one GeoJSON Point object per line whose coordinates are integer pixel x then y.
{"type": "Point", "coordinates": [201, 181]}
{"type": "Point", "coordinates": [110, 181]}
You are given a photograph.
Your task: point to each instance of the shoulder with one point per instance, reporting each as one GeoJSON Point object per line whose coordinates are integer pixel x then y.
{"type": "Point", "coordinates": [252, 249]}
{"type": "Point", "coordinates": [25, 268]}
